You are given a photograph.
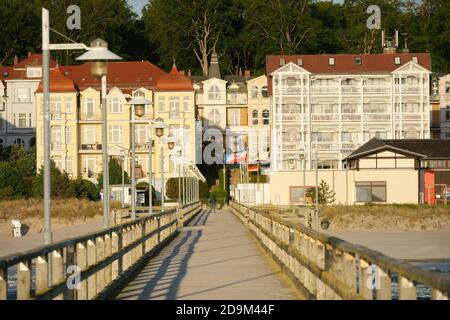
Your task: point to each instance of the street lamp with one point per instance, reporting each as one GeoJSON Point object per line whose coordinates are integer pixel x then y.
{"type": "Point", "coordinates": [302, 159]}
{"type": "Point", "coordinates": [159, 127]}
{"type": "Point", "coordinates": [138, 110]}
{"type": "Point", "coordinates": [123, 157]}
{"type": "Point", "coordinates": [99, 55]}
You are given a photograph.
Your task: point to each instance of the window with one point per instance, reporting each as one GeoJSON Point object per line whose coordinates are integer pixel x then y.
{"type": "Point", "coordinates": [58, 162]}
{"type": "Point", "coordinates": [266, 117]}
{"type": "Point", "coordinates": [415, 60]}
{"type": "Point", "coordinates": [398, 61]}
{"type": "Point", "coordinates": [69, 165]}
{"type": "Point", "coordinates": [162, 104]}
{"type": "Point", "coordinates": [21, 121]}
{"type": "Point", "coordinates": [214, 93]}
{"type": "Point", "coordinates": [234, 117]}
{"type": "Point", "coordinates": [89, 135]}
{"type": "Point", "coordinates": [291, 81]}
{"type": "Point", "coordinates": [56, 108]}
{"type": "Point", "coordinates": [23, 95]}
{"type": "Point", "coordinates": [115, 105]}
{"type": "Point", "coordinates": [19, 142]}
{"type": "Point", "coordinates": [255, 92]}
{"type": "Point", "coordinates": [282, 61]}
{"type": "Point", "coordinates": [264, 92]}
{"type": "Point", "coordinates": [326, 164]}
{"type": "Point", "coordinates": [214, 117]}
{"type": "Point", "coordinates": [186, 103]}
{"type": "Point", "coordinates": [300, 62]}
{"type": "Point", "coordinates": [255, 116]}
{"type": "Point", "coordinates": [331, 61]}
{"type": "Point", "coordinates": [141, 135]}
{"type": "Point", "coordinates": [350, 108]}
{"type": "Point", "coordinates": [115, 134]}
{"type": "Point", "coordinates": [68, 135]}
{"type": "Point", "coordinates": [68, 105]}
{"type": "Point", "coordinates": [34, 72]}
{"type": "Point", "coordinates": [358, 61]}
{"type": "Point", "coordinates": [411, 134]}
{"type": "Point", "coordinates": [139, 94]}
{"type": "Point", "coordinates": [349, 136]}
{"type": "Point", "coordinates": [56, 136]}
{"type": "Point", "coordinates": [174, 103]}
{"type": "Point", "coordinates": [89, 107]}
{"type": "Point", "coordinates": [370, 191]}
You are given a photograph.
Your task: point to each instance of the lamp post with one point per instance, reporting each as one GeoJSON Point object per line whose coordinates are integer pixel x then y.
{"type": "Point", "coordinates": [99, 54]}
{"type": "Point", "coordinates": [302, 160]}
{"type": "Point", "coordinates": [123, 157]}
{"type": "Point", "coordinates": [159, 126]}
{"type": "Point", "coordinates": [138, 110]}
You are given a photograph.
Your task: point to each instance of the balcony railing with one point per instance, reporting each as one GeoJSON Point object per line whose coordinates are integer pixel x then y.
{"type": "Point", "coordinates": [350, 145]}
{"type": "Point", "coordinates": [291, 90]}
{"type": "Point", "coordinates": [411, 117]}
{"type": "Point", "coordinates": [325, 117]}
{"type": "Point", "coordinates": [377, 117]}
{"type": "Point", "coordinates": [409, 89]}
{"type": "Point", "coordinates": [324, 90]}
{"type": "Point", "coordinates": [376, 89]}
{"type": "Point", "coordinates": [238, 100]}
{"type": "Point", "coordinates": [290, 118]}
{"type": "Point", "coordinates": [351, 117]}
{"type": "Point", "coordinates": [325, 145]}
{"type": "Point", "coordinates": [91, 147]}
{"type": "Point", "coordinates": [90, 117]}
{"type": "Point", "coordinates": [350, 90]}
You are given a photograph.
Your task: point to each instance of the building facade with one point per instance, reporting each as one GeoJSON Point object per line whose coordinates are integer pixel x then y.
{"type": "Point", "coordinates": [332, 104]}
{"type": "Point", "coordinates": [444, 100]}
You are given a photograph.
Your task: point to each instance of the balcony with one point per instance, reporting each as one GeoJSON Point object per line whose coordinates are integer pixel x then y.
{"type": "Point", "coordinates": [350, 89]}
{"type": "Point", "coordinates": [324, 117]}
{"type": "Point", "coordinates": [236, 100]}
{"type": "Point", "coordinates": [290, 118]}
{"type": "Point", "coordinates": [351, 117]}
{"type": "Point", "coordinates": [325, 90]}
{"type": "Point", "coordinates": [411, 117]}
{"type": "Point", "coordinates": [326, 146]}
{"type": "Point", "coordinates": [90, 117]}
{"type": "Point", "coordinates": [376, 89]}
{"type": "Point", "coordinates": [377, 117]}
{"type": "Point", "coordinates": [350, 145]}
{"type": "Point", "coordinates": [291, 146]}
{"type": "Point", "coordinates": [409, 89]}
{"type": "Point", "coordinates": [291, 90]}
{"type": "Point", "coordinates": [91, 147]}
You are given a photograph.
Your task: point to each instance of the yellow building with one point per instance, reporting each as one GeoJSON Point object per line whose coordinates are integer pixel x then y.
{"type": "Point", "coordinates": [77, 145]}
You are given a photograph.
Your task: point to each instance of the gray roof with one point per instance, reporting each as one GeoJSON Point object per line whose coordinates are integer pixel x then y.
{"type": "Point", "coordinates": [421, 148]}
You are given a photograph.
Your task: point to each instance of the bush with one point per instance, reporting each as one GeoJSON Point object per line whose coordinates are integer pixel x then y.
{"type": "Point", "coordinates": [83, 189]}
{"type": "Point", "coordinates": [326, 195]}
{"type": "Point", "coordinates": [115, 175]}
{"type": "Point", "coordinates": [11, 178]}
{"type": "Point", "coordinates": [60, 183]}
{"type": "Point", "coordinates": [172, 189]}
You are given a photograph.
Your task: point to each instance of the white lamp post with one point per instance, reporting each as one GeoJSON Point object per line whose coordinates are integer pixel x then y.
{"type": "Point", "coordinates": [123, 157]}
{"type": "Point", "coordinates": [99, 55]}
{"type": "Point", "coordinates": [159, 126]}
{"type": "Point", "coordinates": [138, 110]}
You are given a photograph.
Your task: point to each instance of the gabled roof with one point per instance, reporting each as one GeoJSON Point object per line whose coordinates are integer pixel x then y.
{"type": "Point", "coordinates": [126, 76]}
{"type": "Point", "coordinates": [174, 81]}
{"type": "Point", "coordinates": [58, 83]}
{"type": "Point", "coordinates": [34, 60]}
{"type": "Point", "coordinates": [420, 148]}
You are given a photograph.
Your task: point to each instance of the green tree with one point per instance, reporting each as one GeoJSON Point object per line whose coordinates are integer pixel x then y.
{"type": "Point", "coordinates": [115, 175]}
{"type": "Point", "coordinates": [172, 191]}
{"type": "Point", "coordinates": [60, 183]}
{"type": "Point", "coordinates": [84, 189]}
{"type": "Point", "coordinates": [11, 183]}
{"type": "Point", "coordinates": [326, 194]}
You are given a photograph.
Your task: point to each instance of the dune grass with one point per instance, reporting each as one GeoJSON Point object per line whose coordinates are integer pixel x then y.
{"type": "Point", "coordinates": [62, 209]}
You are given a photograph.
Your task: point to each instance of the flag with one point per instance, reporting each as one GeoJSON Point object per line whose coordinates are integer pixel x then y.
{"type": "Point", "coordinates": [238, 157]}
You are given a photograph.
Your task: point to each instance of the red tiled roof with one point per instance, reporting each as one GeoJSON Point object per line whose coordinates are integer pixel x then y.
{"type": "Point", "coordinates": [58, 82]}
{"type": "Point", "coordinates": [174, 81]}
{"type": "Point", "coordinates": [127, 76]}
{"type": "Point", "coordinates": [34, 60]}
{"type": "Point", "coordinates": [345, 63]}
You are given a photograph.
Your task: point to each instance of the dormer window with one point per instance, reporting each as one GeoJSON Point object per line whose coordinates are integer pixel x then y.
{"type": "Point", "coordinates": [34, 72]}
{"type": "Point", "coordinates": [358, 61]}
{"type": "Point", "coordinates": [398, 61]}
{"type": "Point", "coordinates": [282, 61]}
{"type": "Point", "coordinates": [265, 92]}
{"type": "Point", "coordinates": [214, 93]}
{"type": "Point", "coordinates": [331, 61]}
{"type": "Point", "coordinates": [415, 60]}
{"type": "Point", "coordinates": [300, 62]}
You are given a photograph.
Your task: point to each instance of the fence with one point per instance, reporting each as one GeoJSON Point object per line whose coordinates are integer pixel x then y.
{"type": "Point", "coordinates": [90, 266]}
{"type": "Point", "coordinates": [328, 268]}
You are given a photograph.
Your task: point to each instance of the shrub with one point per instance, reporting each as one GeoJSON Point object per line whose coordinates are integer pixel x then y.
{"type": "Point", "coordinates": [326, 195]}
{"type": "Point", "coordinates": [115, 175]}
{"type": "Point", "coordinates": [83, 189]}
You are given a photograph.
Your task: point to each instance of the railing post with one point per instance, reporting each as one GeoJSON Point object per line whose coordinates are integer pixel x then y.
{"type": "Point", "coordinates": [24, 281]}
{"type": "Point", "coordinates": [383, 290]}
{"type": "Point", "coordinates": [438, 295]}
{"type": "Point", "coordinates": [107, 254]}
{"type": "Point", "coordinates": [365, 288]}
{"type": "Point", "coordinates": [115, 247]}
{"type": "Point", "coordinates": [82, 263]}
{"type": "Point", "coordinates": [41, 275]}
{"type": "Point", "coordinates": [3, 283]}
{"type": "Point", "coordinates": [350, 271]}
{"type": "Point", "coordinates": [406, 289]}
{"type": "Point", "coordinates": [100, 255]}
{"type": "Point", "coordinates": [57, 270]}
{"type": "Point", "coordinates": [92, 280]}
{"type": "Point", "coordinates": [70, 261]}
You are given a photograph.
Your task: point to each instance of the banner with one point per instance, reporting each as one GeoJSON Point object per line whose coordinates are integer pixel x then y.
{"type": "Point", "coordinates": [235, 158]}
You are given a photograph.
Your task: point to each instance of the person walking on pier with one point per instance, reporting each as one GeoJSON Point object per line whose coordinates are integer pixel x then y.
{"type": "Point", "coordinates": [212, 203]}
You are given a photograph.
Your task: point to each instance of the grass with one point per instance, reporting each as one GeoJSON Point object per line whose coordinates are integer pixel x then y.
{"type": "Point", "coordinates": [62, 209]}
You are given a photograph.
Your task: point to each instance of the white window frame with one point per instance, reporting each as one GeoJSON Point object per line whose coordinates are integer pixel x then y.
{"type": "Point", "coordinates": [234, 117]}
{"type": "Point", "coordinates": [115, 105]}
{"type": "Point", "coordinates": [214, 93]}
{"type": "Point", "coordinates": [174, 104]}
{"type": "Point", "coordinates": [162, 104]}
{"type": "Point", "coordinates": [21, 92]}
{"type": "Point", "coordinates": [115, 134]}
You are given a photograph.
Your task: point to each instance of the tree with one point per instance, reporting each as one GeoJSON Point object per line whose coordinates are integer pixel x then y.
{"type": "Point", "coordinates": [326, 194]}
{"type": "Point", "coordinates": [172, 189]}
{"type": "Point", "coordinates": [115, 175]}
{"type": "Point", "coordinates": [60, 183]}
{"type": "Point", "coordinates": [11, 184]}
{"type": "Point", "coordinates": [84, 189]}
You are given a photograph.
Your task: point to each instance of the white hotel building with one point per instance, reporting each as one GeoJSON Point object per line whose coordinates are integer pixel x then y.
{"type": "Point", "coordinates": [336, 103]}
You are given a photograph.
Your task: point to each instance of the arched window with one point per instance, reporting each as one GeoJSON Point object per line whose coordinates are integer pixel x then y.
{"type": "Point", "coordinates": [266, 117]}
{"type": "Point", "coordinates": [214, 117]}
{"type": "Point", "coordinates": [139, 93]}
{"type": "Point", "coordinates": [255, 116]}
{"type": "Point", "coordinates": [265, 92]}
{"type": "Point", "coordinates": [214, 93]}
{"type": "Point", "coordinates": [255, 91]}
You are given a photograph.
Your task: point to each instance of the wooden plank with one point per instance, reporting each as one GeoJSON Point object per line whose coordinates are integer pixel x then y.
{"type": "Point", "coordinates": [365, 280]}
{"type": "Point", "coordinates": [81, 259]}
{"type": "Point", "coordinates": [115, 247]}
{"type": "Point", "coordinates": [24, 281]}
{"type": "Point", "coordinates": [384, 287]}
{"type": "Point", "coordinates": [108, 251]}
{"type": "Point", "coordinates": [92, 280]}
{"type": "Point", "coordinates": [406, 289]}
{"type": "Point", "coordinates": [100, 255]}
{"type": "Point", "coordinates": [41, 275]}
{"type": "Point", "coordinates": [57, 270]}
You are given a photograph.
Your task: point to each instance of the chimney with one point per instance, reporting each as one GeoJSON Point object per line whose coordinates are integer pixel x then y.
{"type": "Point", "coordinates": [247, 73]}
{"type": "Point", "coordinates": [189, 73]}
{"type": "Point", "coordinates": [181, 72]}
{"type": "Point", "coordinates": [16, 60]}
{"type": "Point", "coordinates": [240, 71]}
{"type": "Point", "coordinates": [29, 54]}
